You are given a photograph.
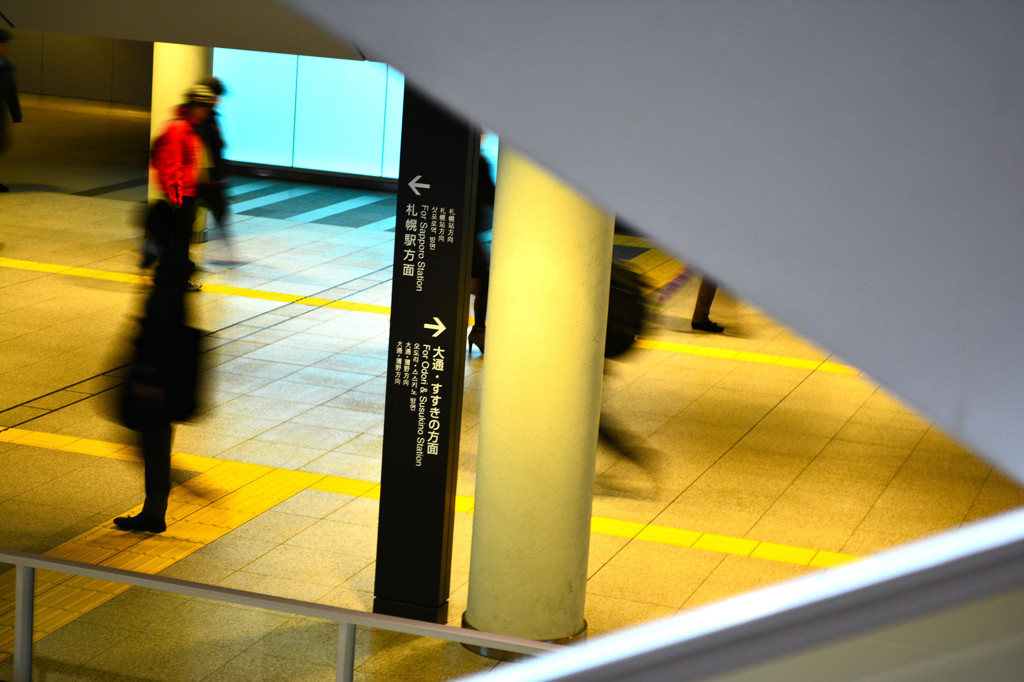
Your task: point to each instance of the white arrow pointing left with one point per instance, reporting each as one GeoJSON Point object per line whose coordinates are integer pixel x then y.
{"type": "Point", "coordinates": [439, 326]}
{"type": "Point", "coordinates": [415, 185]}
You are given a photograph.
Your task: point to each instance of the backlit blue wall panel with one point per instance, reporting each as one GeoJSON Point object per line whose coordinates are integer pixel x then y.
{"type": "Point", "coordinates": [393, 122]}
{"type": "Point", "coordinates": [311, 113]}
{"type": "Point", "coordinates": [258, 113]}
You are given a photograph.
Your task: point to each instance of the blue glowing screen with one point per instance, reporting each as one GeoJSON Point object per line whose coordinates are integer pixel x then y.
{"type": "Point", "coordinates": [314, 113]}
{"type": "Point", "coordinates": [310, 112]}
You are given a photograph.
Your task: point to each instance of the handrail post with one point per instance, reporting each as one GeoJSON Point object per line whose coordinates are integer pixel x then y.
{"type": "Point", "coordinates": [24, 605]}
{"type": "Point", "coordinates": [348, 620]}
{"type": "Point", "coordinates": [346, 652]}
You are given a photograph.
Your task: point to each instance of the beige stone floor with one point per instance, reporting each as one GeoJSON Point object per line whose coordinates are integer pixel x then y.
{"type": "Point", "coordinates": [748, 440]}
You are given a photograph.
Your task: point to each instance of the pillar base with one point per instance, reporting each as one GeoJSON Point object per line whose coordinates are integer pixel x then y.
{"type": "Point", "coordinates": [499, 655]}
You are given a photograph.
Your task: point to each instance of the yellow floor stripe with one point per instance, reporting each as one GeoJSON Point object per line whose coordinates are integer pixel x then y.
{"type": "Point", "coordinates": [230, 493]}
{"type": "Point", "coordinates": [621, 529]}
{"type": "Point", "coordinates": [73, 271]}
{"type": "Point", "coordinates": [250, 293]}
{"type": "Point", "coordinates": [360, 307]}
{"type": "Point", "coordinates": [664, 269]}
{"type": "Point", "coordinates": [743, 356]}
{"type": "Point", "coordinates": [719, 543]}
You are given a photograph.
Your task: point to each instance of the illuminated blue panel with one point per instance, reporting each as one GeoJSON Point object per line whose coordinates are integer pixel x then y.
{"type": "Point", "coordinates": [489, 150]}
{"type": "Point", "coordinates": [393, 122]}
{"type": "Point", "coordinates": [258, 112]}
{"type": "Point", "coordinates": [309, 112]}
{"type": "Point", "coordinates": [339, 115]}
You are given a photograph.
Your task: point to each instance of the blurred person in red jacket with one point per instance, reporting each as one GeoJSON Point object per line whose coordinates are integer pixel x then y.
{"type": "Point", "coordinates": [180, 159]}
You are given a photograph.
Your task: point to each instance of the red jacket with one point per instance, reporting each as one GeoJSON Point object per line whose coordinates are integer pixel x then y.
{"type": "Point", "coordinates": [177, 158]}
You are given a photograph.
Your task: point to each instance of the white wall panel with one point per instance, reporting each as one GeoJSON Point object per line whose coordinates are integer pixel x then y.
{"type": "Point", "coordinates": [339, 115]}
{"type": "Point", "coordinates": [258, 112]}
{"type": "Point", "coordinates": [855, 169]}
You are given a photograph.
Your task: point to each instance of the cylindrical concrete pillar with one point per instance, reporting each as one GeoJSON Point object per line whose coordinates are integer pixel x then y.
{"type": "Point", "coordinates": [176, 68]}
{"type": "Point", "coordinates": [540, 406]}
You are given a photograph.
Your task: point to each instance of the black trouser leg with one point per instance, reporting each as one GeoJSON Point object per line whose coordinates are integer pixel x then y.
{"type": "Point", "coordinates": [479, 287]}
{"type": "Point", "coordinates": [212, 195]}
{"type": "Point", "coordinates": [705, 295]}
{"type": "Point", "coordinates": [156, 451]}
{"type": "Point", "coordinates": [181, 235]}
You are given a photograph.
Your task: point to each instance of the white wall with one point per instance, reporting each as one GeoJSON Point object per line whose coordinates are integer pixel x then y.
{"type": "Point", "coordinates": [855, 169]}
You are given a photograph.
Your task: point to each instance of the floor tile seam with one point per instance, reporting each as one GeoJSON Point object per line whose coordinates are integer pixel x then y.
{"type": "Point", "coordinates": [888, 485]}
{"type": "Point", "coordinates": [311, 300]}
{"type": "Point", "coordinates": [832, 557]}
{"type": "Point", "coordinates": [968, 515]}
{"type": "Point", "coordinates": [110, 189]}
{"type": "Point", "coordinates": [46, 412]}
{"type": "Point", "coordinates": [728, 449]}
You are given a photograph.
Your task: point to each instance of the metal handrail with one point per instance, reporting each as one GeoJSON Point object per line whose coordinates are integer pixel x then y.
{"type": "Point", "coordinates": [981, 560]}
{"type": "Point", "coordinates": [347, 619]}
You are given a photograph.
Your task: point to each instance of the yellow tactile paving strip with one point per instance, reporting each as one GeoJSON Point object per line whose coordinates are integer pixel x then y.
{"type": "Point", "coordinates": [661, 269]}
{"type": "Point", "coordinates": [227, 494]}
{"type": "Point", "coordinates": [222, 498]}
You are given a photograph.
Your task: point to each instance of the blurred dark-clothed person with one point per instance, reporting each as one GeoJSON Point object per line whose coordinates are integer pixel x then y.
{"type": "Point", "coordinates": [701, 320]}
{"type": "Point", "coordinates": [10, 106]}
{"type": "Point", "coordinates": [163, 381]}
{"type": "Point", "coordinates": [483, 222]}
{"type": "Point", "coordinates": [627, 317]}
{"type": "Point", "coordinates": [162, 386]}
{"type": "Point", "coordinates": [213, 177]}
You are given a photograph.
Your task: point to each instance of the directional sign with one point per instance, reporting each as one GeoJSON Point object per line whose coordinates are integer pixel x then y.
{"type": "Point", "coordinates": [426, 360]}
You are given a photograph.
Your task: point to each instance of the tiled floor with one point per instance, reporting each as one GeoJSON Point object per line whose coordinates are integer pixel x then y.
{"type": "Point", "coordinates": [763, 457]}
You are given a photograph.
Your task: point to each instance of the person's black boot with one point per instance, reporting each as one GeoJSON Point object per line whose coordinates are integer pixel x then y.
{"type": "Point", "coordinates": [476, 337]}
{"type": "Point", "coordinates": [708, 326]}
{"type": "Point", "coordinates": [140, 522]}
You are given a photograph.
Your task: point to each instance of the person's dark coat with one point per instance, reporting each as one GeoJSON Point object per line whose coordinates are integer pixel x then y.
{"type": "Point", "coordinates": [9, 104]}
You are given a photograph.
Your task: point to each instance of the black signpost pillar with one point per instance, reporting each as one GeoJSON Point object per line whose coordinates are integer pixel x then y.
{"type": "Point", "coordinates": [426, 360]}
